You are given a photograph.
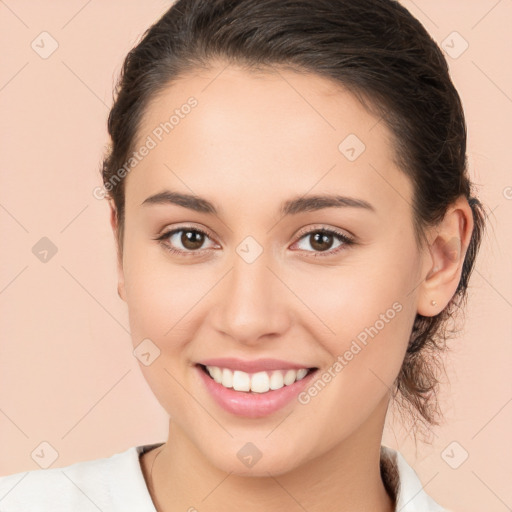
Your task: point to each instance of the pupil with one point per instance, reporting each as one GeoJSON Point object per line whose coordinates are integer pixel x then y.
{"type": "Point", "coordinates": [192, 239]}
{"type": "Point", "coordinates": [322, 241]}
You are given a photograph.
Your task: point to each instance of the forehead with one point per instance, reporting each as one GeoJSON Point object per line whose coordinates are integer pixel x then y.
{"type": "Point", "coordinates": [251, 135]}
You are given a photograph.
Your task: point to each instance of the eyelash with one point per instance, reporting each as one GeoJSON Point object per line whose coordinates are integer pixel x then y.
{"type": "Point", "coordinates": [347, 241]}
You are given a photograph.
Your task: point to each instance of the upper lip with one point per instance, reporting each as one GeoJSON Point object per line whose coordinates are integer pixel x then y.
{"type": "Point", "coordinates": [257, 365]}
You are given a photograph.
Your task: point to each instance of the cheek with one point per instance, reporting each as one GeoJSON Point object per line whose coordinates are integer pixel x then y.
{"type": "Point", "coordinates": [158, 293]}
{"type": "Point", "coordinates": [364, 311]}
{"type": "Point", "coordinates": [371, 322]}
{"type": "Point", "coordinates": [167, 304]}
{"type": "Point", "coordinates": [161, 306]}
{"type": "Point", "coordinates": [162, 300]}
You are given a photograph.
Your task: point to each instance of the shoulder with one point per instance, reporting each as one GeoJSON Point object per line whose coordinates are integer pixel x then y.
{"type": "Point", "coordinates": [109, 483]}
{"type": "Point", "coordinates": [408, 489]}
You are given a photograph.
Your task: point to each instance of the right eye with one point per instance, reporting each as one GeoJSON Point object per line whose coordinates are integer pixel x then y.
{"type": "Point", "coordinates": [191, 240]}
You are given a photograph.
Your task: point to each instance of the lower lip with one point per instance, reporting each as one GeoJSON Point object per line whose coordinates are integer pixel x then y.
{"type": "Point", "coordinates": [249, 404]}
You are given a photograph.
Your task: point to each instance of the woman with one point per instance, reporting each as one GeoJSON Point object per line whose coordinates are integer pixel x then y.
{"type": "Point", "coordinates": [295, 225]}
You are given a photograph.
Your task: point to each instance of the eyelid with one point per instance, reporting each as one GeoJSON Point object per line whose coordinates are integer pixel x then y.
{"type": "Point", "coordinates": [167, 231]}
{"type": "Point", "coordinates": [322, 227]}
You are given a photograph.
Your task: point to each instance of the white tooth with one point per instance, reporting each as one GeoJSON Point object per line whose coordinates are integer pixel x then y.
{"type": "Point", "coordinates": [241, 381]}
{"type": "Point", "coordinates": [260, 382]}
{"type": "Point", "coordinates": [276, 380]}
{"type": "Point", "coordinates": [227, 378]}
{"type": "Point", "coordinates": [301, 373]}
{"type": "Point", "coordinates": [215, 372]}
{"type": "Point", "coordinates": [290, 377]}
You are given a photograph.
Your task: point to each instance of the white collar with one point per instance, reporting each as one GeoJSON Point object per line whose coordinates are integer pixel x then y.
{"type": "Point", "coordinates": [117, 483]}
{"type": "Point", "coordinates": [399, 476]}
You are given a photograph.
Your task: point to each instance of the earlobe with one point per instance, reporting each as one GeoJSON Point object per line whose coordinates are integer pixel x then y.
{"type": "Point", "coordinates": [120, 272]}
{"type": "Point", "coordinates": [446, 253]}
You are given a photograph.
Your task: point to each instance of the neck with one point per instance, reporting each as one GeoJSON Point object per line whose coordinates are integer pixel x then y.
{"type": "Point", "coordinates": [346, 478]}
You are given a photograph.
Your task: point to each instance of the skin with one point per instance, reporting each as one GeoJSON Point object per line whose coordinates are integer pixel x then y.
{"type": "Point", "coordinates": [253, 142]}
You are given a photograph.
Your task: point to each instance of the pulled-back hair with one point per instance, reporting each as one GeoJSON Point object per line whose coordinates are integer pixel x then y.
{"type": "Point", "coordinates": [374, 48]}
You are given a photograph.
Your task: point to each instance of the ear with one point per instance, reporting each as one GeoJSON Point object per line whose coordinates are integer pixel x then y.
{"type": "Point", "coordinates": [120, 273]}
{"type": "Point", "coordinates": [444, 258]}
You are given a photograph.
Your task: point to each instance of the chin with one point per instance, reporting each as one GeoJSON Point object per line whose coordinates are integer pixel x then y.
{"type": "Point", "coordinates": [246, 459]}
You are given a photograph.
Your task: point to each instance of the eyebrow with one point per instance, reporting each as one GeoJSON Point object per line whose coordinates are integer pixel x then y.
{"type": "Point", "coordinates": [291, 207]}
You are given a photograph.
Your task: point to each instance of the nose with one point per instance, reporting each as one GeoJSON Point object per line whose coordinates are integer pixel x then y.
{"type": "Point", "coordinates": [252, 303]}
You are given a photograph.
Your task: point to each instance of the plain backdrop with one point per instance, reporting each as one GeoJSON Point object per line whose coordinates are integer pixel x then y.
{"type": "Point", "coordinates": [70, 386]}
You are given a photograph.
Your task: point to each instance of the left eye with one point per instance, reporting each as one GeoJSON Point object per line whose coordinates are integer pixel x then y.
{"type": "Point", "coordinates": [322, 240]}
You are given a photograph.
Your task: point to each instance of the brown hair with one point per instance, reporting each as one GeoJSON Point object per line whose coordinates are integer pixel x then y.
{"type": "Point", "coordinates": [374, 48]}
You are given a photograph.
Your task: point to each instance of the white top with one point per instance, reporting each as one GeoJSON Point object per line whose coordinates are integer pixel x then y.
{"type": "Point", "coordinates": [116, 483]}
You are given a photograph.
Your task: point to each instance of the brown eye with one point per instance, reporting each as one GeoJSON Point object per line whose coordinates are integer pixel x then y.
{"type": "Point", "coordinates": [192, 240]}
{"type": "Point", "coordinates": [186, 241]}
{"type": "Point", "coordinates": [321, 241]}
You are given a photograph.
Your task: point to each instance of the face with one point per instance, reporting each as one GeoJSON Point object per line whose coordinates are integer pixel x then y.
{"type": "Point", "coordinates": [261, 280]}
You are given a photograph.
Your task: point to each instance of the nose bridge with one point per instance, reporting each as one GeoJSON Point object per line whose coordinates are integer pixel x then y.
{"type": "Point", "coordinates": [251, 303]}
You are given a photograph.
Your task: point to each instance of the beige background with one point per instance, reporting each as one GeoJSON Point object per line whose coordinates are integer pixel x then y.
{"type": "Point", "coordinates": [67, 373]}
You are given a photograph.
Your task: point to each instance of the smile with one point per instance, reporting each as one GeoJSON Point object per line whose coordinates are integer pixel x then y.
{"type": "Point", "coordinates": [260, 382]}
{"type": "Point", "coordinates": [262, 390]}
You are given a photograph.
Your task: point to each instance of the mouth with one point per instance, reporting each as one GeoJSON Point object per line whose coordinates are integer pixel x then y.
{"type": "Point", "coordinates": [260, 382]}
{"type": "Point", "coordinates": [253, 388]}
